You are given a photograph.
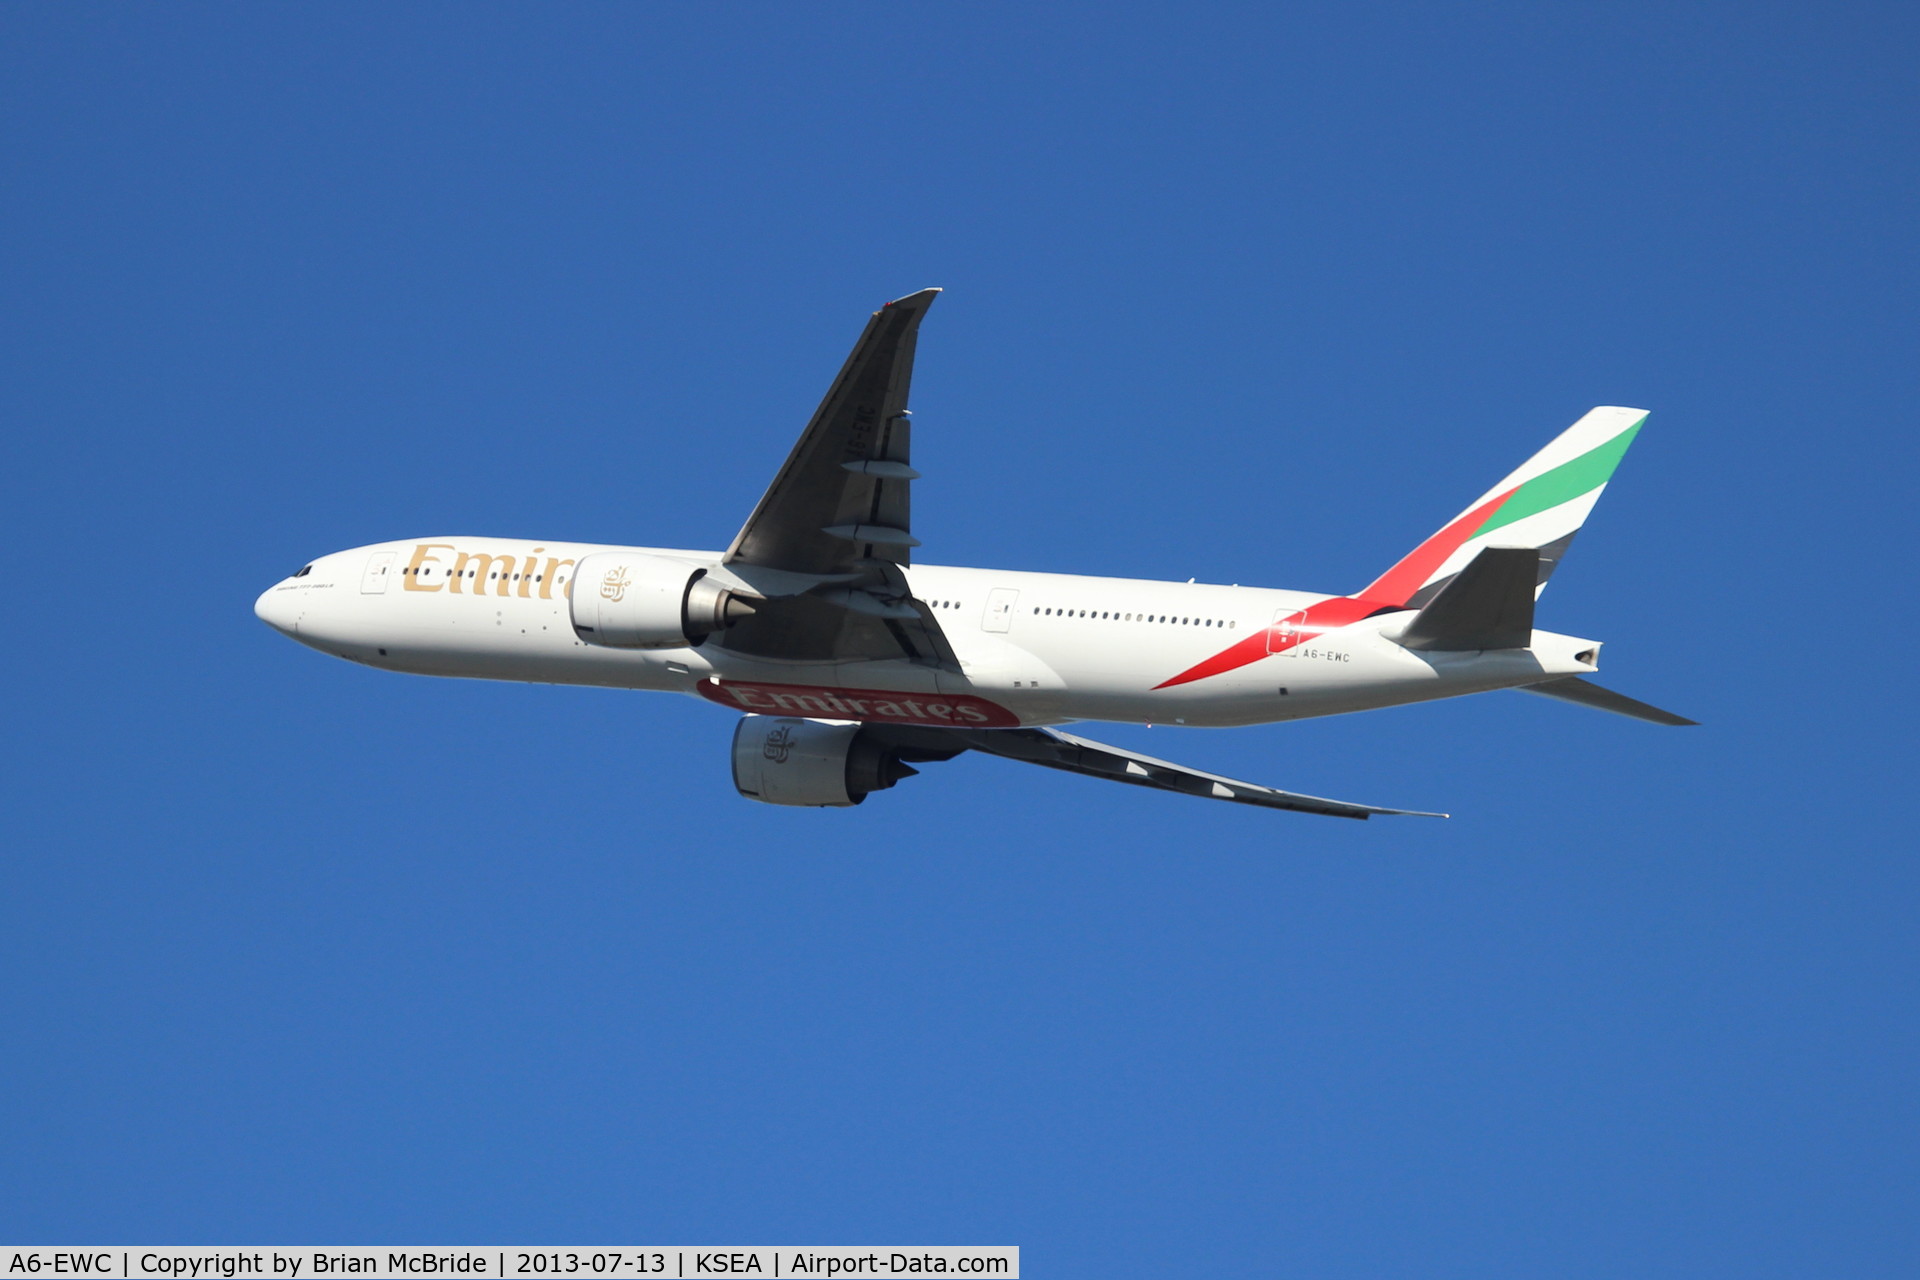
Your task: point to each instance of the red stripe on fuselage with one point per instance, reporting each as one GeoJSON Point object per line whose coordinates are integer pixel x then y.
{"type": "Point", "coordinates": [1397, 585]}
{"type": "Point", "coordinates": [1394, 587]}
{"type": "Point", "coordinates": [1309, 624]}
{"type": "Point", "coordinates": [1251, 649]}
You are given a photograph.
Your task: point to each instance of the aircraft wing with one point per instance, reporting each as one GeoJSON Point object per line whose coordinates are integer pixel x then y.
{"type": "Point", "coordinates": [841, 499]}
{"type": "Point", "coordinates": [838, 514]}
{"type": "Point", "coordinates": [1057, 750]}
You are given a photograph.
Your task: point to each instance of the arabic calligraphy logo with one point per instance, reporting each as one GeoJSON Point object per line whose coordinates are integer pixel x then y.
{"type": "Point", "coordinates": [779, 745]}
{"type": "Point", "coordinates": [614, 586]}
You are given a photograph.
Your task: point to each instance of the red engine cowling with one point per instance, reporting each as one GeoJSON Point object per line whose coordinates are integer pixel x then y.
{"type": "Point", "coordinates": [632, 600]}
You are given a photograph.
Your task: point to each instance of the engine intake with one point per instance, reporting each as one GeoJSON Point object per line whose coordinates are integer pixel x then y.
{"type": "Point", "coordinates": [631, 600]}
{"type": "Point", "coordinates": [783, 760]}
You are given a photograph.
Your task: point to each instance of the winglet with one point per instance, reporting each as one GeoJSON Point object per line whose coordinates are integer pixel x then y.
{"type": "Point", "coordinates": [924, 297]}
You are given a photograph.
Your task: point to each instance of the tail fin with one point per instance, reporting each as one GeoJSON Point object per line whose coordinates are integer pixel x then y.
{"type": "Point", "coordinates": [1541, 505]}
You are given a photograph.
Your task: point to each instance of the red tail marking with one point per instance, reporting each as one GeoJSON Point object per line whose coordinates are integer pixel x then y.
{"type": "Point", "coordinates": [1394, 587]}
{"type": "Point", "coordinates": [1397, 585]}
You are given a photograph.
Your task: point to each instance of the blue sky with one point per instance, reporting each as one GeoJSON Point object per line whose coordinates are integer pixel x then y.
{"type": "Point", "coordinates": [294, 951]}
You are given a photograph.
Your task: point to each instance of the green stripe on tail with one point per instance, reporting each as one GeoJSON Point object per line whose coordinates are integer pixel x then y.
{"type": "Point", "coordinates": [1565, 482]}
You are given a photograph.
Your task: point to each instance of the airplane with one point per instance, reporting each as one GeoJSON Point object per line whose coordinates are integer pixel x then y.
{"type": "Point", "coordinates": [851, 664]}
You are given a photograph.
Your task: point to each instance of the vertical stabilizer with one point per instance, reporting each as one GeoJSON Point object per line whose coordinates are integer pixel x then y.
{"type": "Point", "coordinates": [1541, 506]}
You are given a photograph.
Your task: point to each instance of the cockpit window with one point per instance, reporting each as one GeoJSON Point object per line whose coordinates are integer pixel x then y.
{"type": "Point", "coordinates": [305, 570]}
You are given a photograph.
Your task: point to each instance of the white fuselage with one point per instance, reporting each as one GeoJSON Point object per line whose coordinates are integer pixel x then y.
{"type": "Point", "coordinates": [1045, 648]}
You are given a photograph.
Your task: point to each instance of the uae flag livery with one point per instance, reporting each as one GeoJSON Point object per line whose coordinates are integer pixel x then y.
{"type": "Point", "coordinates": [1541, 505]}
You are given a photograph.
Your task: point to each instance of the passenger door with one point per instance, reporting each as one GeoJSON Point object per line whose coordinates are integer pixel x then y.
{"type": "Point", "coordinates": [1286, 632]}
{"type": "Point", "coordinates": [373, 582]}
{"type": "Point", "coordinates": [1000, 603]}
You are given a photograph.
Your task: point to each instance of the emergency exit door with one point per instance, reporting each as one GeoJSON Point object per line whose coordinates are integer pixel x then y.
{"type": "Point", "coordinates": [1000, 602]}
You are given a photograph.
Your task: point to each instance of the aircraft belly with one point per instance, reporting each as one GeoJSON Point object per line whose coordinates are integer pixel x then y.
{"type": "Point", "coordinates": [1006, 673]}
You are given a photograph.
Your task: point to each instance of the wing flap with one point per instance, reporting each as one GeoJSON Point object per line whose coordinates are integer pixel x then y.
{"type": "Point", "coordinates": [1053, 749]}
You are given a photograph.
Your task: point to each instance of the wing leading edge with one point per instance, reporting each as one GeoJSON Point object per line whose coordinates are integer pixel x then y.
{"type": "Point", "coordinates": [841, 500]}
{"type": "Point", "coordinates": [835, 526]}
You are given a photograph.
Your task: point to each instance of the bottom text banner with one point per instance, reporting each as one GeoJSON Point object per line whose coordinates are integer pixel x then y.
{"type": "Point", "coordinates": [765, 1262]}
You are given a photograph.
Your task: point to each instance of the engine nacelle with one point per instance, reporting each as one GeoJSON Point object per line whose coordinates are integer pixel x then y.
{"type": "Point", "coordinates": [783, 760]}
{"type": "Point", "coordinates": [631, 600]}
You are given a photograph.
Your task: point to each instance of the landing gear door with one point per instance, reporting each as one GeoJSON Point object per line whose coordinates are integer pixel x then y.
{"type": "Point", "coordinates": [379, 567]}
{"type": "Point", "coordinates": [1000, 602]}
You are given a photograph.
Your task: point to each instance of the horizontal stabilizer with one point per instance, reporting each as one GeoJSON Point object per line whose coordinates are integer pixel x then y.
{"type": "Point", "coordinates": [1587, 693]}
{"type": "Point", "coordinates": [1487, 605]}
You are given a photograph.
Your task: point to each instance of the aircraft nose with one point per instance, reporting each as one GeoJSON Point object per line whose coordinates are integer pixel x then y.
{"type": "Point", "coordinates": [278, 609]}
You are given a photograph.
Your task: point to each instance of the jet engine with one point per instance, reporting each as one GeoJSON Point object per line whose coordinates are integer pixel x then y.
{"type": "Point", "coordinates": [631, 600]}
{"type": "Point", "coordinates": [782, 760]}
